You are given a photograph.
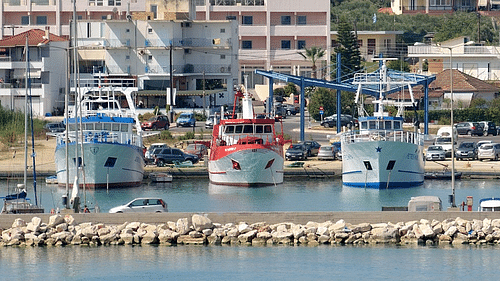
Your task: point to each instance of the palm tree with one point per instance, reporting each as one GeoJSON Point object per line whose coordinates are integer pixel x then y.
{"type": "Point", "coordinates": [313, 54]}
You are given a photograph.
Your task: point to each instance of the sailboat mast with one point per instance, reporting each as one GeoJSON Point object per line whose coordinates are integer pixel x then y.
{"type": "Point", "coordinates": [26, 113]}
{"type": "Point", "coordinates": [76, 200]}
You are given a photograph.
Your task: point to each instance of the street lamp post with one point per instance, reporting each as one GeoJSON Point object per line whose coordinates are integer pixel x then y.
{"type": "Point", "coordinates": [453, 202]}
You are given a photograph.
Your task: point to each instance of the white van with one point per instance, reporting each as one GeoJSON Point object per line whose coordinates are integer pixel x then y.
{"type": "Point", "coordinates": [446, 132]}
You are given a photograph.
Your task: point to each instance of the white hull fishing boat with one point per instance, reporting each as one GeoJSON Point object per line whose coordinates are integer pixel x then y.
{"type": "Point", "coordinates": [108, 145]}
{"type": "Point", "coordinates": [381, 154]}
{"type": "Point", "coordinates": [246, 151]}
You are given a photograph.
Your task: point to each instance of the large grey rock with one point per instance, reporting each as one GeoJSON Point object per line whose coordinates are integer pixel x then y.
{"type": "Point", "coordinates": [18, 223]}
{"type": "Point", "coordinates": [182, 226]}
{"type": "Point", "coordinates": [247, 237]}
{"type": "Point", "coordinates": [363, 227]}
{"type": "Point", "coordinates": [55, 220]}
{"type": "Point", "coordinates": [201, 222]}
{"type": "Point", "coordinates": [427, 230]}
{"type": "Point", "coordinates": [384, 235]}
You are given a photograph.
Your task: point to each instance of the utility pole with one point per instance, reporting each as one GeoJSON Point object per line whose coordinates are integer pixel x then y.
{"type": "Point", "coordinates": [171, 84]}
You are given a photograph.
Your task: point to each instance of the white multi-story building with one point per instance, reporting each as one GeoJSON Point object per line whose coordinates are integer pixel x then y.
{"type": "Point", "coordinates": [17, 16]}
{"type": "Point", "coordinates": [46, 67]}
{"type": "Point", "coordinates": [482, 62]}
{"type": "Point", "coordinates": [271, 32]}
{"type": "Point", "coordinates": [200, 51]}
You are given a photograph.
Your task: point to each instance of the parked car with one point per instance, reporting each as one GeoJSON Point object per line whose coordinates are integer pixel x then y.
{"type": "Point", "coordinates": [446, 144]}
{"type": "Point", "coordinates": [327, 152]}
{"type": "Point", "coordinates": [489, 128]}
{"type": "Point", "coordinates": [55, 127]}
{"type": "Point", "coordinates": [331, 121]}
{"type": "Point", "coordinates": [489, 151]}
{"type": "Point", "coordinates": [296, 152]}
{"type": "Point", "coordinates": [291, 109]}
{"type": "Point", "coordinates": [479, 143]}
{"type": "Point", "coordinates": [466, 150]}
{"type": "Point", "coordinates": [149, 155]}
{"type": "Point", "coordinates": [186, 119]}
{"type": "Point", "coordinates": [142, 205]}
{"type": "Point", "coordinates": [156, 122]}
{"type": "Point", "coordinates": [212, 120]}
{"type": "Point", "coordinates": [169, 155]}
{"type": "Point", "coordinates": [469, 128]}
{"type": "Point", "coordinates": [435, 152]}
{"type": "Point", "coordinates": [312, 147]}
{"type": "Point", "coordinates": [197, 149]}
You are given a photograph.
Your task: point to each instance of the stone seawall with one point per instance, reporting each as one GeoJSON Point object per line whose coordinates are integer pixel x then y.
{"type": "Point", "coordinates": [199, 229]}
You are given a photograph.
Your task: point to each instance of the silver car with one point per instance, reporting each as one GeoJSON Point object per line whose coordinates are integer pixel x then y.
{"type": "Point", "coordinates": [142, 205]}
{"type": "Point", "coordinates": [489, 151]}
{"type": "Point", "coordinates": [435, 152]}
{"type": "Point", "coordinates": [327, 152]}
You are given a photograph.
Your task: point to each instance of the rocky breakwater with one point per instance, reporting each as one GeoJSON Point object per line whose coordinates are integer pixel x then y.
{"type": "Point", "coordinates": [200, 230]}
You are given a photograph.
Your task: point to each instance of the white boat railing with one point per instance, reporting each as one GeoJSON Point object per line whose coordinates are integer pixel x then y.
{"type": "Point", "coordinates": [383, 135]}
{"type": "Point", "coordinates": [233, 139]}
{"type": "Point", "coordinates": [102, 137]}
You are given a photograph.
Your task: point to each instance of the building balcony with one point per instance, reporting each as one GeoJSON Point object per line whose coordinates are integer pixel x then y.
{"type": "Point", "coordinates": [436, 51]}
{"type": "Point", "coordinates": [252, 30]}
{"type": "Point", "coordinates": [189, 68]}
{"type": "Point", "coordinates": [187, 43]}
{"type": "Point", "coordinates": [299, 30]}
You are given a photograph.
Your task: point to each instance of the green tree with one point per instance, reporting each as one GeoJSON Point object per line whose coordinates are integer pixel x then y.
{"type": "Point", "coordinates": [398, 65]}
{"type": "Point", "coordinates": [290, 88]}
{"type": "Point", "coordinates": [327, 98]}
{"type": "Point", "coordinates": [313, 54]}
{"type": "Point", "coordinates": [350, 56]}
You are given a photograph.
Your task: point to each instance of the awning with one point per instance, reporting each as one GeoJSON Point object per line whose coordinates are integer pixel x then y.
{"type": "Point", "coordinates": [160, 93]}
{"type": "Point", "coordinates": [482, 3]}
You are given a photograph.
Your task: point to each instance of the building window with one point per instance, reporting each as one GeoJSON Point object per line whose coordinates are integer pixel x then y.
{"type": "Point", "coordinates": [301, 44]}
{"type": "Point", "coordinates": [301, 20]}
{"type": "Point", "coordinates": [100, 3]}
{"type": "Point", "coordinates": [41, 20]}
{"type": "Point", "coordinates": [222, 57]}
{"type": "Point", "coordinates": [25, 20]}
{"type": "Point", "coordinates": [372, 46]}
{"type": "Point", "coordinates": [285, 44]}
{"type": "Point", "coordinates": [111, 2]}
{"type": "Point", "coordinates": [127, 57]}
{"type": "Point", "coordinates": [41, 2]}
{"type": "Point", "coordinates": [127, 30]}
{"type": "Point", "coordinates": [104, 17]}
{"type": "Point", "coordinates": [246, 44]}
{"type": "Point", "coordinates": [286, 20]}
{"type": "Point", "coordinates": [15, 3]}
{"type": "Point", "coordinates": [150, 30]}
{"type": "Point", "coordinates": [247, 20]}
{"type": "Point", "coordinates": [222, 30]}
{"type": "Point", "coordinates": [91, 2]}
{"type": "Point", "coordinates": [154, 10]}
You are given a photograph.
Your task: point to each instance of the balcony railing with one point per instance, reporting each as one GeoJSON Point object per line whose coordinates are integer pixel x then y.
{"type": "Point", "coordinates": [465, 50]}
{"type": "Point", "coordinates": [189, 68]}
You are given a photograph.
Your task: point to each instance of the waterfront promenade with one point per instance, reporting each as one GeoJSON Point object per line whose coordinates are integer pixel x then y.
{"type": "Point", "coordinates": [12, 161]}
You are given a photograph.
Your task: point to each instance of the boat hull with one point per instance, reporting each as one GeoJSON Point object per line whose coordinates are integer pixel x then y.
{"type": "Point", "coordinates": [357, 157]}
{"type": "Point", "coordinates": [100, 171]}
{"type": "Point", "coordinates": [254, 167]}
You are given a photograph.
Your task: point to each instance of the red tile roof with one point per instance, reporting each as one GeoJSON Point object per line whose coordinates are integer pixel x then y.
{"type": "Point", "coordinates": [35, 37]}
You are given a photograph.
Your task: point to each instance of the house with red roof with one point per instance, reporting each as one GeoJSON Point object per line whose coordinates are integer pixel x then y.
{"type": "Point", "coordinates": [28, 53]}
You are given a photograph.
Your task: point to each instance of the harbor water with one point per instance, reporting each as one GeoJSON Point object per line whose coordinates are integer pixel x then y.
{"type": "Point", "coordinates": [370, 262]}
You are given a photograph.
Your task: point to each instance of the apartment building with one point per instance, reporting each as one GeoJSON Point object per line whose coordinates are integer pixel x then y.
{"type": "Point", "coordinates": [271, 32]}
{"type": "Point", "coordinates": [432, 7]}
{"type": "Point", "coordinates": [18, 16]}
{"type": "Point", "coordinates": [482, 62]}
{"type": "Point", "coordinates": [46, 68]}
{"type": "Point", "coordinates": [373, 43]}
{"type": "Point", "coordinates": [146, 50]}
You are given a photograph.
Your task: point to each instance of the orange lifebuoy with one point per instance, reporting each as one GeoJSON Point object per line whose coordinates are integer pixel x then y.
{"type": "Point", "coordinates": [52, 211]}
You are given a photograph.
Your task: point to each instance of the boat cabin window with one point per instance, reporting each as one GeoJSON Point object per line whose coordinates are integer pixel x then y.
{"type": "Point", "coordinates": [107, 126]}
{"type": "Point", "coordinates": [248, 129]}
{"type": "Point", "coordinates": [397, 125]}
{"type": "Point", "coordinates": [124, 127]}
{"type": "Point", "coordinates": [259, 129]}
{"type": "Point", "coordinates": [388, 125]}
{"type": "Point", "coordinates": [268, 129]}
{"type": "Point", "coordinates": [238, 129]}
{"type": "Point", "coordinates": [490, 209]}
{"type": "Point", "coordinates": [89, 126]}
{"type": "Point", "coordinates": [229, 130]}
{"type": "Point", "coordinates": [98, 126]}
{"type": "Point", "coordinates": [364, 125]}
{"type": "Point", "coordinates": [372, 125]}
{"type": "Point", "coordinates": [116, 127]}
